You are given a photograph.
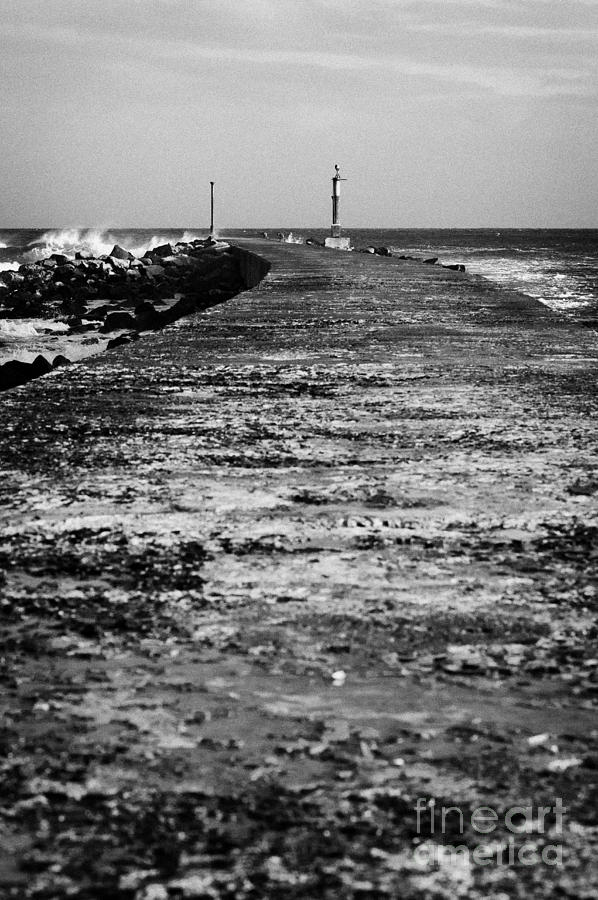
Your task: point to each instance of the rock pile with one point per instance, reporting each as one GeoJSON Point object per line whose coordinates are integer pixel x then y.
{"type": "Point", "coordinates": [111, 288]}
{"type": "Point", "coordinates": [431, 261]}
{"type": "Point", "coordinates": [119, 293]}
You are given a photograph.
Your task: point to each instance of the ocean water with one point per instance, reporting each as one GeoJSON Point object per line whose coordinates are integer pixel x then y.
{"type": "Point", "coordinates": [559, 267]}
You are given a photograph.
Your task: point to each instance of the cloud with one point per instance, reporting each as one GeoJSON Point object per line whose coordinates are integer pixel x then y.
{"type": "Point", "coordinates": [386, 52]}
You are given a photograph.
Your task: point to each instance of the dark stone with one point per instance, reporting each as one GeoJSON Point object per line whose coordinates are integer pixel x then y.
{"type": "Point", "coordinates": [154, 271]}
{"type": "Point", "coordinates": [431, 261]}
{"type": "Point", "coordinates": [180, 262]}
{"type": "Point", "coordinates": [147, 316]}
{"type": "Point", "coordinates": [121, 339]}
{"type": "Point", "coordinates": [383, 251]}
{"type": "Point", "coordinates": [83, 254]}
{"type": "Point", "coordinates": [118, 318]}
{"type": "Point", "coordinates": [12, 277]}
{"type": "Point", "coordinates": [60, 360]}
{"type": "Point", "coordinates": [162, 250]}
{"type": "Point", "coordinates": [456, 267]}
{"type": "Point", "coordinates": [64, 272]}
{"type": "Point", "coordinates": [60, 258]}
{"type": "Point", "coordinates": [120, 253]}
{"type": "Point", "coordinates": [17, 372]}
{"type": "Point", "coordinates": [13, 373]}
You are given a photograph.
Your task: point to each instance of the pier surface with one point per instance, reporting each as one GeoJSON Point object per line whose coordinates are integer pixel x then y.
{"type": "Point", "coordinates": [276, 572]}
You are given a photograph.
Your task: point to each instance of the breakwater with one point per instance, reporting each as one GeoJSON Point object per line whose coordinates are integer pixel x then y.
{"type": "Point", "coordinates": [272, 575]}
{"type": "Point", "coordinates": [84, 305]}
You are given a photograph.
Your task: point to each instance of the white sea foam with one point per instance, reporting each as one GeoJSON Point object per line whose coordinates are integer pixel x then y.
{"type": "Point", "coordinates": [69, 240]}
{"type": "Point", "coordinates": [11, 329]}
{"type": "Point", "coordinates": [9, 266]}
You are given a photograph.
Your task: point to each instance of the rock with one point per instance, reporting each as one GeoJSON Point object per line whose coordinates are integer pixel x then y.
{"type": "Point", "coordinates": [98, 309]}
{"type": "Point", "coordinates": [16, 372]}
{"type": "Point", "coordinates": [63, 272]}
{"type": "Point", "coordinates": [154, 271]}
{"type": "Point", "coordinates": [49, 263]}
{"type": "Point", "coordinates": [122, 339]}
{"type": "Point", "coordinates": [456, 267]}
{"type": "Point", "coordinates": [180, 261]}
{"type": "Point", "coordinates": [60, 360]}
{"type": "Point", "coordinates": [163, 250]}
{"type": "Point", "coordinates": [431, 261]}
{"type": "Point", "coordinates": [119, 252]}
{"type": "Point", "coordinates": [147, 316]}
{"type": "Point", "coordinates": [118, 264]}
{"type": "Point", "coordinates": [83, 254]}
{"type": "Point", "coordinates": [383, 251]}
{"type": "Point", "coordinates": [60, 258]}
{"type": "Point", "coordinates": [12, 277]}
{"type": "Point", "coordinates": [118, 318]}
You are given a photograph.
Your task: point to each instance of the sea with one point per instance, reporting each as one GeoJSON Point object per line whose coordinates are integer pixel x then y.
{"type": "Point", "coordinates": [558, 267]}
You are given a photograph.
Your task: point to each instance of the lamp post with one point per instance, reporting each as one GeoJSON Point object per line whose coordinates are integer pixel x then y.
{"type": "Point", "coordinates": [211, 208]}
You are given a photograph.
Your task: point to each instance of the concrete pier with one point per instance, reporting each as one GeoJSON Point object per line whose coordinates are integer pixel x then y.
{"type": "Point", "coordinates": [326, 544]}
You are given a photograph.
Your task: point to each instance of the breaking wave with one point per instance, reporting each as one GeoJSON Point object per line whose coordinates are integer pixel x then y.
{"type": "Point", "coordinates": [69, 240]}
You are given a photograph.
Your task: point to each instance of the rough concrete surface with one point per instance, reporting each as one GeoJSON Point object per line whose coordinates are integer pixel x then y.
{"type": "Point", "coordinates": [272, 574]}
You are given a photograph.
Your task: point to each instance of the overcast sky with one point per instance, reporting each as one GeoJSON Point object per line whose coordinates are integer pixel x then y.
{"type": "Point", "coordinates": [440, 113]}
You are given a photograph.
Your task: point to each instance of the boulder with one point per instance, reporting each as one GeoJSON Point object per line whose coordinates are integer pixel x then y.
{"type": "Point", "coordinates": [154, 271]}
{"type": "Point", "coordinates": [456, 267]}
{"type": "Point", "coordinates": [118, 264]}
{"type": "Point", "coordinates": [60, 258]}
{"type": "Point", "coordinates": [16, 372]}
{"type": "Point", "coordinates": [147, 316]}
{"type": "Point", "coordinates": [98, 310]}
{"type": "Point", "coordinates": [180, 261]}
{"type": "Point", "coordinates": [49, 263]}
{"type": "Point", "coordinates": [121, 339]}
{"type": "Point", "coordinates": [60, 360]}
{"type": "Point", "coordinates": [83, 254]}
{"type": "Point", "coordinates": [383, 251]}
{"type": "Point", "coordinates": [163, 250]}
{"type": "Point", "coordinates": [119, 252]}
{"type": "Point", "coordinates": [118, 318]}
{"type": "Point", "coordinates": [431, 261]}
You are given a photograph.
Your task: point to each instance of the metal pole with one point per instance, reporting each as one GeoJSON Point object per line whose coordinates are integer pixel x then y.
{"type": "Point", "coordinates": [211, 208]}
